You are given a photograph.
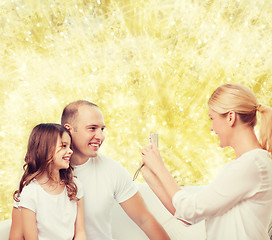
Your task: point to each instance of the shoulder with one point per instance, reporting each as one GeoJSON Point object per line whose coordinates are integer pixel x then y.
{"type": "Point", "coordinates": [80, 193]}
{"type": "Point", "coordinates": [107, 161]}
{"type": "Point", "coordinates": [255, 157]}
{"type": "Point", "coordinates": [32, 186]}
{"type": "Point", "coordinates": [77, 182]}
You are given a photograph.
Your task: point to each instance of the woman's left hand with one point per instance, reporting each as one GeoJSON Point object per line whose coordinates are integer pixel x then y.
{"type": "Point", "coordinates": [151, 156]}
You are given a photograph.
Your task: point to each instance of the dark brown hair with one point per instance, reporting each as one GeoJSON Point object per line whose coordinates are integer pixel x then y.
{"type": "Point", "coordinates": [40, 154]}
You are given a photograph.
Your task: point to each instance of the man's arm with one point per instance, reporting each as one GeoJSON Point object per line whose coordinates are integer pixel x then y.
{"type": "Point", "coordinates": [138, 212]}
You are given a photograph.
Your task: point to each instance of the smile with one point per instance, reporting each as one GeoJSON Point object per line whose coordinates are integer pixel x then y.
{"type": "Point", "coordinates": [94, 144]}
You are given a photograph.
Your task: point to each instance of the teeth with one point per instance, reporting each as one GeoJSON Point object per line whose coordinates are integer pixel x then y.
{"type": "Point", "coordinates": [95, 145]}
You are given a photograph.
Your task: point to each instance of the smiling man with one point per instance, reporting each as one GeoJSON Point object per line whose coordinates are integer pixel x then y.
{"type": "Point", "coordinates": [104, 180]}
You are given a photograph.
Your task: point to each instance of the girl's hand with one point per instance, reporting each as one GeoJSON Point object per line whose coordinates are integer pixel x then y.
{"type": "Point", "coordinates": [151, 156]}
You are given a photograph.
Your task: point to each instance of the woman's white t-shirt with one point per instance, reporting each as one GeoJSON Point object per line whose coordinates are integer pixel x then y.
{"type": "Point", "coordinates": [55, 214]}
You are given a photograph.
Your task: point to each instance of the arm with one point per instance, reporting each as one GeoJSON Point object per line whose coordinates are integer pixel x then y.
{"type": "Point", "coordinates": [29, 224]}
{"type": "Point", "coordinates": [160, 181]}
{"type": "Point", "coordinates": [137, 211]}
{"type": "Point", "coordinates": [80, 233]}
{"type": "Point", "coordinates": [152, 159]}
{"type": "Point", "coordinates": [16, 230]}
{"type": "Point", "coordinates": [157, 187]}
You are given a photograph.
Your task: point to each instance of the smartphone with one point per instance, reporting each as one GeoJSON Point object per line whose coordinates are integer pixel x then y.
{"type": "Point", "coordinates": [156, 136]}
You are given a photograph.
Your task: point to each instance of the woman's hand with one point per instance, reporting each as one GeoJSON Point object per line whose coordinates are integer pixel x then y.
{"type": "Point", "coordinates": [151, 156]}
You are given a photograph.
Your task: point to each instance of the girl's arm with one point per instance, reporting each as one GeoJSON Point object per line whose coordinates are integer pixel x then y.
{"type": "Point", "coordinates": [29, 224]}
{"type": "Point", "coordinates": [16, 230]}
{"type": "Point", "coordinates": [80, 233]}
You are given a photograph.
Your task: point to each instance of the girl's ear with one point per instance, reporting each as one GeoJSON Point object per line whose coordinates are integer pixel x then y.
{"type": "Point", "coordinates": [231, 118]}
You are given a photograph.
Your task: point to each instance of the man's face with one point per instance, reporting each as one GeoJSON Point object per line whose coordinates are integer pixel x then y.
{"type": "Point", "coordinates": [87, 132]}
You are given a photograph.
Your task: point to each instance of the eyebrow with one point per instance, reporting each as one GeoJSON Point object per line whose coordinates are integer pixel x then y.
{"type": "Point", "coordinates": [94, 125]}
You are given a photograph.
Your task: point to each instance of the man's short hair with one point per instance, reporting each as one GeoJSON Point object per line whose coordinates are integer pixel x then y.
{"type": "Point", "coordinates": [71, 110]}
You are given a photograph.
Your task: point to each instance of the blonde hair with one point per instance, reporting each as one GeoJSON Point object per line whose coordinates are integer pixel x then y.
{"type": "Point", "coordinates": [240, 99]}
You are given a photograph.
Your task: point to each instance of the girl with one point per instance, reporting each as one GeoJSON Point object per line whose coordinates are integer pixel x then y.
{"type": "Point", "coordinates": [50, 198]}
{"type": "Point", "coordinates": [238, 203]}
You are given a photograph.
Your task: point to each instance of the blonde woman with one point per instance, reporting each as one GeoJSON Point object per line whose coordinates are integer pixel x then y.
{"type": "Point", "coordinates": [237, 205]}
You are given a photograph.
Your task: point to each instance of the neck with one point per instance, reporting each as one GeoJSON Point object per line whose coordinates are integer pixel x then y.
{"type": "Point", "coordinates": [78, 159]}
{"type": "Point", "coordinates": [44, 178]}
{"type": "Point", "coordinates": [244, 140]}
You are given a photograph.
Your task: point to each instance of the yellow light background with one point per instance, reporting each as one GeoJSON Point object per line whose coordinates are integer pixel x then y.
{"type": "Point", "coordinates": [150, 65]}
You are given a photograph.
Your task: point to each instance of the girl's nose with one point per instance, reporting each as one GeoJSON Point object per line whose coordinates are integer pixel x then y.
{"type": "Point", "coordinates": [70, 151]}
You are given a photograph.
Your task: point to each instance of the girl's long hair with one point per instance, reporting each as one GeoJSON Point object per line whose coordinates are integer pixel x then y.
{"type": "Point", "coordinates": [40, 155]}
{"type": "Point", "coordinates": [240, 99]}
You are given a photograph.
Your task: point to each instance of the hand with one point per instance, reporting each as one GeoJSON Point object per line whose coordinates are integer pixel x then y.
{"type": "Point", "coordinates": [151, 156]}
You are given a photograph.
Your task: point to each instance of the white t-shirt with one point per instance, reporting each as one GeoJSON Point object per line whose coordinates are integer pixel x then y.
{"type": "Point", "coordinates": [237, 205]}
{"type": "Point", "coordinates": [55, 214]}
{"type": "Point", "coordinates": [104, 181]}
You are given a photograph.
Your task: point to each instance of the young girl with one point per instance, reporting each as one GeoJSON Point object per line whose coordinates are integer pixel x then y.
{"type": "Point", "coordinates": [238, 203]}
{"type": "Point", "coordinates": [50, 198]}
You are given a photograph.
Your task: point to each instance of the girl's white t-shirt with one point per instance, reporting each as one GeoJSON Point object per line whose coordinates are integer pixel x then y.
{"type": "Point", "coordinates": [55, 214]}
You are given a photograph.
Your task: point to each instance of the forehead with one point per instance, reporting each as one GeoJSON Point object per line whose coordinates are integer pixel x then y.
{"type": "Point", "coordinates": [89, 115]}
{"type": "Point", "coordinates": [212, 112]}
{"type": "Point", "coordinates": [65, 137]}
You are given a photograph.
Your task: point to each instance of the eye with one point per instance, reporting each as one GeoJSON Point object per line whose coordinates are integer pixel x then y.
{"type": "Point", "coordinates": [102, 129]}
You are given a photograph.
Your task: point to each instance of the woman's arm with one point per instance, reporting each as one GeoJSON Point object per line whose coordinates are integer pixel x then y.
{"type": "Point", "coordinates": [29, 224]}
{"type": "Point", "coordinates": [157, 187]}
{"type": "Point", "coordinates": [80, 233]}
{"type": "Point", "coordinates": [16, 229]}
{"type": "Point", "coordinates": [152, 159]}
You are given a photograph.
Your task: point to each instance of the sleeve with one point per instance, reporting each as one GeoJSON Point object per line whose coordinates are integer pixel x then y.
{"type": "Point", "coordinates": [27, 198]}
{"type": "Point", "coordinates": [124, 187]}
{"type": "Point", "coordinates": [80, 192]}
{"type": "Point", "coordinates": [16, 204]}
{"type": "Point", "coordinates": [235, 183]}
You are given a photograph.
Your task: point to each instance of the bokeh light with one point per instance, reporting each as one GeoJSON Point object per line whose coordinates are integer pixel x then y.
{"type": "Point", "coordinates": [150, 65]}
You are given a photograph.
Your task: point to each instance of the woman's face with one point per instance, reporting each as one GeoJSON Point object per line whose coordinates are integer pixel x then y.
{"type": "Point", "coordinates": [221, 127]}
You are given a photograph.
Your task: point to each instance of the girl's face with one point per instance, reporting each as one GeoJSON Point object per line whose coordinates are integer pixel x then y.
{"type": "Point", "coordinates": [63, 152]}
{"type": "Point", "coordinates": [221, 127]}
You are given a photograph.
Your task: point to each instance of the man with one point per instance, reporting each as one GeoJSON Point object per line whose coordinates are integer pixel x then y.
{"type": "Point", "coordinates": [104, 180]}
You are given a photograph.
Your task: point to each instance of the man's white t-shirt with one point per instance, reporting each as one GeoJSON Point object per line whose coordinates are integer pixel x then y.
{"type": "Point", "coordinates": [104, 181]}
{"type": "Point", "coordinates": [237, 205]}
{"type": "Point", "coordinates": [55, 214]}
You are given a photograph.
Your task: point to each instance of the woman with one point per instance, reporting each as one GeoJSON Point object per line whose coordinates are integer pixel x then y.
{"type": "Point", "coordinates": [237, 205]}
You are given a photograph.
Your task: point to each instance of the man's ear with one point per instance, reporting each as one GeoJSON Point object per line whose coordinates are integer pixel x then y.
{"type": "Point", "coordinates": [232, 116]}
{"type": "Point", "coordinates": [68, 126]}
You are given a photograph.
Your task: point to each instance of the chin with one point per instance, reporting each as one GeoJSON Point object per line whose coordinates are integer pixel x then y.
{"type": "Point", "coordinates": [94, 154]}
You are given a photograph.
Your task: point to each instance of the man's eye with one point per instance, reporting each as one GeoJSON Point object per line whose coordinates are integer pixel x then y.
{"type": "Point", "coordinates": [64, 145]}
